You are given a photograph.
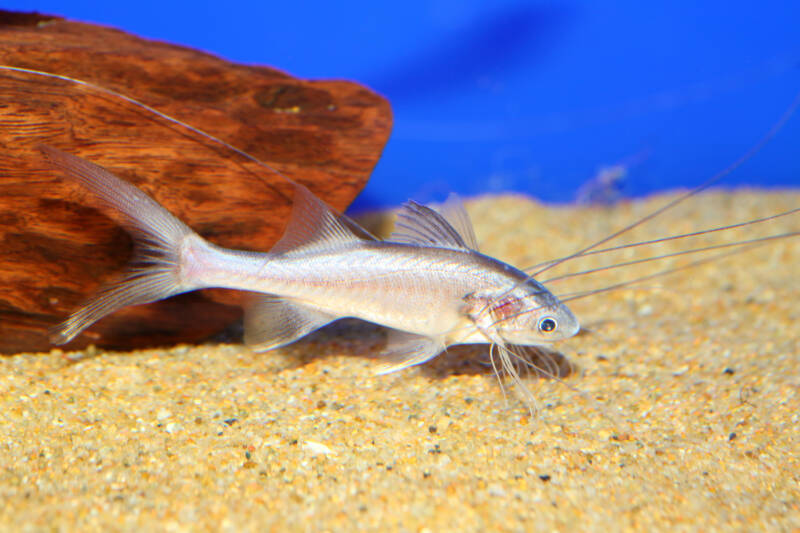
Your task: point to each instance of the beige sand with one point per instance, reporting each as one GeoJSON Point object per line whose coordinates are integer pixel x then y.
{"type": "Point", "coordinates": [702, 369]}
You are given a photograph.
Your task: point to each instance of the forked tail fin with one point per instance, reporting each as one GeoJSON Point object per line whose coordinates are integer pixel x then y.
{"type": "Point", "coordinates": [154, 272]}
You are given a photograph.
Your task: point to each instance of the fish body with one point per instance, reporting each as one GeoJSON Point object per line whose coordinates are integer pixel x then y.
{"type": "Point", "coordinates": [427, 282]}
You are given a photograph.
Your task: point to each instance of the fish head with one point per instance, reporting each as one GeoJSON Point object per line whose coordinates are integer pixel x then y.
{"type": "Point", "coordinates": [525, 314]}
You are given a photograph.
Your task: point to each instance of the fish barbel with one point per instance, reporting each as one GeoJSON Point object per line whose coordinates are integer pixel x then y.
{"type": "Point", "coordinates": [427, 281]}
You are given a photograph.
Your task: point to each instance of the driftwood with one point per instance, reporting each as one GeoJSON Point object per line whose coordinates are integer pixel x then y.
{"type": "Point", "coordinates": [57, 249]}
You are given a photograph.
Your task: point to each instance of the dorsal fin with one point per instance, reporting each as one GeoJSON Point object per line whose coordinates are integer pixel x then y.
{"type": "Point", "coordinates": [455, 213]}
{"type": "Point", "coordinates": [419, 224]}
{"type": "Point", "coordinates": [313, 225]}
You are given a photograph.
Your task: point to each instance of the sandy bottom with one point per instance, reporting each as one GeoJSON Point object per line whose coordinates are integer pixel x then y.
{"type": "Point", "coordinates": [681, 411]}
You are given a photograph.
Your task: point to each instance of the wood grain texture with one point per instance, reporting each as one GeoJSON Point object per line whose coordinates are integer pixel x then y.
{"type": "Point", "coordinates": [57, 249]}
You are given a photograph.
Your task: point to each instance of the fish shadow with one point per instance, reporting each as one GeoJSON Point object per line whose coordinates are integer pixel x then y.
{"type": "Point", "coordinates": [363, 339]}
{"type": "Point", "coordinates": [475, 359]}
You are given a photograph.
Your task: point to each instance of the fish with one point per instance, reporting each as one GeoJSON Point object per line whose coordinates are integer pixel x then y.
{"type": "Point", "coordinates": [427, 282]}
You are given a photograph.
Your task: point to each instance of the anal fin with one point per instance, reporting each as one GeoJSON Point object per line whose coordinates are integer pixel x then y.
{"type": "Point", "coordinates": [405, 349]}
{"type": "Point", "coordinates": [271, 322]}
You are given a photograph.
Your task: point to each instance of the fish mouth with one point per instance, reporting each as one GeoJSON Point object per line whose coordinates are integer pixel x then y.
{"type": "Point", "coordinates": [575, 330]}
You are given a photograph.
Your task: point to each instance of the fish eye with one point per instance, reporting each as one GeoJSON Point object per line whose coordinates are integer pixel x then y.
{"type": "Point", "coordinates": [548, 324]}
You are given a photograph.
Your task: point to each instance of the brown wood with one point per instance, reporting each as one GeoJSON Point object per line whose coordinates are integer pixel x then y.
{"type": "Point", "coordinates": [57, 249]}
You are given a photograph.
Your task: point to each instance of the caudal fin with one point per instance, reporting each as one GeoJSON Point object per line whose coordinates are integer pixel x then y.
{"type": "Point", "coordinates": [154, 273]}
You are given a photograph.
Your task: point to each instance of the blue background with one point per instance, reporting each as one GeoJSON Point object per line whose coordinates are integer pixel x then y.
{"type": "Point", "coordinates": [527, 96]}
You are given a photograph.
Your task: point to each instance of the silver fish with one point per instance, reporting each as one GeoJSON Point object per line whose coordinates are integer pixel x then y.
{"type": "Point", "coordinates": [427, 282]}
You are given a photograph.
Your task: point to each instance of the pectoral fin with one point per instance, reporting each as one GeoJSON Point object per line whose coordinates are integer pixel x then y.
{"type": "Point", "coordinates": [271, 322]}
{"type": "Point", "coordinates": [407, 349]}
